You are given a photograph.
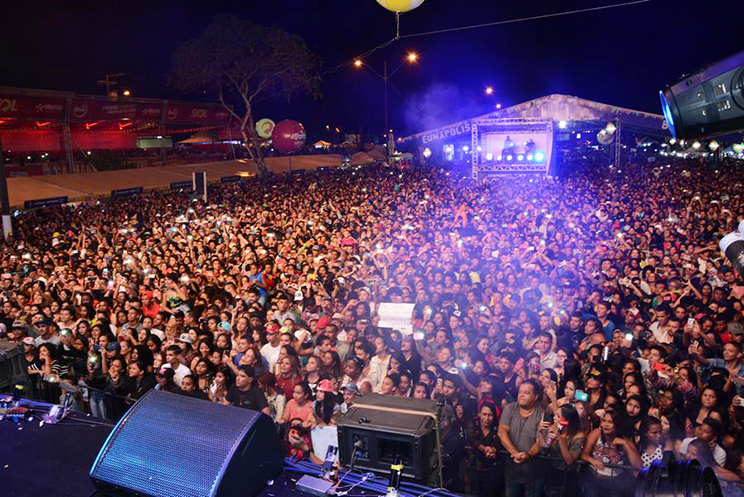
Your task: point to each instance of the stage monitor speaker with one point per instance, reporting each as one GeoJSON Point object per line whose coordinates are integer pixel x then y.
{"type": "Point", "coordinates": [173, 445]}
{"type": "Point", "coordinates": [708, 102]}
{"type": "Point", "coordinates": [13, 367]}
{"type": "Point", "coordinates": [380, 429]}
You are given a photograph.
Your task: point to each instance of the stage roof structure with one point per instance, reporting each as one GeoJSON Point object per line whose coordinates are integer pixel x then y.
{"type": "Point", "coordinates": [558, 108]}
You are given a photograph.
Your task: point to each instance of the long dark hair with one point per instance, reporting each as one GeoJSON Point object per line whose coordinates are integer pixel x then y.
{"type": "Point", "coordinates": [571, 415]}
{"type": "Point", "coordinates": [324, 409]}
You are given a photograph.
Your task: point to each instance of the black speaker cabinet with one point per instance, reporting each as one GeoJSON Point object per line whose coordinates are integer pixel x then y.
{"type": "Point", "coordinates": [13, 367]}
{"type": "Point", "coordinates": [383, 428]}
{"type": "Point", "coordinates": [171, 445]}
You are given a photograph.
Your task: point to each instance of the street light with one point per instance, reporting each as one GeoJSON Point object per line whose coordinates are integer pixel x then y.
{"type": "Point", "coordinates": [489, 90]}
{"type": "Point", "coordinates": [126, 93]}
{"type": "Point", "coordinates": [411, 58]}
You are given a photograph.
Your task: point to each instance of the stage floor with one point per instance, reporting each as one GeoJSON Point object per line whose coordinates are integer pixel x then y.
{"type": "Point", "coordinates": [49, 460]}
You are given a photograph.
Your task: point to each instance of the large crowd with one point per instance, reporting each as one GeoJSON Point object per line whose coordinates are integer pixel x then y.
{"type": "Point", "coordinates": [575, 329]}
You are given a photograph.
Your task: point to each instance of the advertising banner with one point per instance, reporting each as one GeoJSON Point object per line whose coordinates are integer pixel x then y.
{"type": "Point", "coordinates": [185, 113]}
{"type": "Point", "coordinates": [182, 185]}
{"type": "Point", "coordinates": [45, 202]}
{"type": "Point", "coordinates": [88, 109]}
{"type": "Point", "coordinates": [126, 192]}
{"type": "Point", "coordinates": [27, 107]}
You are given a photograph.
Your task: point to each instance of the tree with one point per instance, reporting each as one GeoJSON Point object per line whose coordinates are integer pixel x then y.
{"type": "Point", "coordinates": [243, 62]}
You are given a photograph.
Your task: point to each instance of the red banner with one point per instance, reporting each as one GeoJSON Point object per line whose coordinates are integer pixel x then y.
{"type": "Point", "coordinates": [32, 141]}
{"type": "Point", "coordinates": [104, 110]}
{"type": "Point", "coordinates": [184, 113]}
{"type": "Point", "coordinates": [26, 107]}
{"type": "Point", "coordinates": [90, 109]}
{"type": "Point", "coordinates": [103, 140]}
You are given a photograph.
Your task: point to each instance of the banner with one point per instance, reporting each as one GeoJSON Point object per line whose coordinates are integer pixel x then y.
{"type": "Point", "coordinates": [88, 109]}
{"type": "Point", "coordinates": [396, 316]}
{"type": "Point", "coordinates": [230, 179]}
{"type": "Point", "coordinates": [26, 107]}
{"type": "Point", "coordinates": [185, 113]}
{"type": "Point", "coordinates": [126, 192]}
{"type": "Point", "coordinates": [182, 185]}
{"type": "Point", "coordinates": [45, 202]}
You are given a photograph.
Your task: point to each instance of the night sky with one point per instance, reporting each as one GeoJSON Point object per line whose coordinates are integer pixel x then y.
{"type": "Point", "coordinates": [619, 56]}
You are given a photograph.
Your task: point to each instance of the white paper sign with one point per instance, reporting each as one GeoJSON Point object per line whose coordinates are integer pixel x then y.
{"type": "Point", "coordinates": [323, 437]}
{"type": "Point", "coordinates": [396, 316]}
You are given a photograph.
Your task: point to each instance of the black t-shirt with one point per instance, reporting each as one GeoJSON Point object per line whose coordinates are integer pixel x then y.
{"type": "Point", "coordinates": [252, 398]}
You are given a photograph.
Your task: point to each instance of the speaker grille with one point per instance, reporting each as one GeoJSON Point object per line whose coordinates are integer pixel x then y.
{"type": "Point", "coordinates": [150, 457]}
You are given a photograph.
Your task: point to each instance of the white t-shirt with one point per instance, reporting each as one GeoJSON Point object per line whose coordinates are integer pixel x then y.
{"type": "Point", "coordinates": [718, 453]}
{"type": "Point", "coordinates": [270, 354]}
{"type": "Point", "coordinates": [181, 372]}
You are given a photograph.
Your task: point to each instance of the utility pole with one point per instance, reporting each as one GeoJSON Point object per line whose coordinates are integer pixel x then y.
{"type": "Point", "coordinates": [110, 81]}
{"type": "Point", "coordinates": [4, 200]}
{"type": "Point", "coordinates": [385, 78]}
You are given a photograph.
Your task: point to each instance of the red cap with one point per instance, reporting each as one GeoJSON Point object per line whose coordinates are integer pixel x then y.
{"type": "Point", "coordinates": [272, 328]}
{"type": "Point", "coordinates": [325, 386]}
{"type": "Point", "coordinates": [323, 321]}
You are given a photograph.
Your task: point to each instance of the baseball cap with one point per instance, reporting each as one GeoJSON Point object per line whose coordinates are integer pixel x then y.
{"type": "Point", "coordinates": [272, 328]}
{"type": "Point", "coordinates": [735, 328]}
{"type": "Point", "coordinates": [323, 321]}
{"type": "Point", "coordinates": [44, 321]}
{"type": "Point", "coordinates": [185, 338]}
{"type": "Point", "coordinates": [353, 388]}
{"type": "Point", "coordinates": [19, 324]}
{"type": "Point", "coordinates": [299, 296]}
{"type": "Point", "coordinates": [325, 386]}
{"type": "Point", "coordinates": [147, 294]}
{"type": "Point", "coordinates": [28, 341]}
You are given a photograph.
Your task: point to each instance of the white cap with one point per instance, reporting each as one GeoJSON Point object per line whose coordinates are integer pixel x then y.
{"type": "Point", "coordinates": [741, 227]}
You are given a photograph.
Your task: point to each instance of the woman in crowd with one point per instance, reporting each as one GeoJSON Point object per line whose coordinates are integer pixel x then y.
{"type": "Point", "coordinates": [288, 374]}
{"type": "Point", "coordinates": [605, 449]}
{"type": "Point", "coordinates": [275, 398]}
{"type": "Point", "coordinates": [485, 475]}
{"type": "Point", "coordinates": [221, 383]}
{"type": "Point", "coordinates": [300, 406]}
{"type": "Point", "coordinates": [565, 443]}
{"type": "Point", "coordinates": [653, 443]}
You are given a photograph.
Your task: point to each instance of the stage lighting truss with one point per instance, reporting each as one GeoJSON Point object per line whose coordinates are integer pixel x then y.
{"type": "Point", "coordinates": [517, 163]}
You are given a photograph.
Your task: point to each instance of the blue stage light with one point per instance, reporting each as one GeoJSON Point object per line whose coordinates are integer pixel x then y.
{"type": "Point", "coordinates": [489, 156]}
{"type": "Point", "coordinates": [509, 157]}
{"type": "Point", "coordinates": [530, 157]}
{"type": "Point", "coordinates": [465, 148]}
{"type": "Point", "coordinates": [667, 113]}
{"type": "Point", "coordinates": [539, 156]}
{"type": "Point", "coordinates": [520, 157]}
{"type": "Point", "coordinates": [500, 158]}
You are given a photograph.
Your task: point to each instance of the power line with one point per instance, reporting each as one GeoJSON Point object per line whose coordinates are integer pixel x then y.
{"type": "Point", "coordinates": [532, 18]}
{"type": "Point", "coordinates": [360, 56]}
{"type": "Point", "coordinates": [496, 23]}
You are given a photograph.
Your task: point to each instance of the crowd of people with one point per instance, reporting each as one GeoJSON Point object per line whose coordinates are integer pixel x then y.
{"type": "Point", "coordinates": [575, 329]}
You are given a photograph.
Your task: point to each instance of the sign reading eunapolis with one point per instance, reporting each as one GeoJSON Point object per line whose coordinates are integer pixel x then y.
{"type": "Point", "coordinates": [442, 134]}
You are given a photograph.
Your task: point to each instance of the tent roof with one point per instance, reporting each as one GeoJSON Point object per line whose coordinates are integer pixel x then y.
{"type": "Point", "coordinates": [566, 108]}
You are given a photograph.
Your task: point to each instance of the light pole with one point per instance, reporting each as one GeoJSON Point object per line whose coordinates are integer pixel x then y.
{"type": "Point", "coordinates": [385, 77]}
